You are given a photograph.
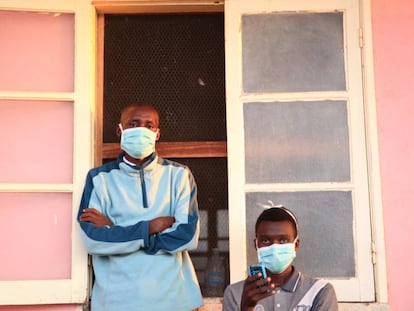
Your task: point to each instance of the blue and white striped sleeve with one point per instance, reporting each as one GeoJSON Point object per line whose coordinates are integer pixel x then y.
{"type": "Point", "coordinates": [184, 233]}
{"type": "Point", "coordinates": [113, 240]}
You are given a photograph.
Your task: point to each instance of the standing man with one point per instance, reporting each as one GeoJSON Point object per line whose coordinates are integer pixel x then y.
{"type": "Point", "coordinates": [139, 218]}
{"type": "Point", "coordinates": [285, 288]}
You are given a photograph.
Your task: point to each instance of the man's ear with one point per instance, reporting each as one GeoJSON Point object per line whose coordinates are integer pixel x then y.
{"type": "Point", "coordinates": [255, 244]}
{"type": "Point", "coordinates": [158, 134]}
{"type": "Point", "coordinates": [118, 131]}
{"type": "Point", "coordinates": [297, 244]}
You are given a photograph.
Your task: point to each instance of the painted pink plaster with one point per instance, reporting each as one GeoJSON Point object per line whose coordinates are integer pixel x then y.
{"type": "Point", "coordinates": [393, 39]}
{"type": "Point", "coordinates": [36, 238]}
{"type": "Point", "coordinates": [37, 141]}
{"type": "Point", "coordinates": [39, 53]}
{"type": "Point", "coordinates": [40, 308]}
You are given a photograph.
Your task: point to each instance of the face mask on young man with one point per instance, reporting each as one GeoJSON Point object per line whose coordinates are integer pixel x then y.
{"type": "Point", "coordinates": [277, 257]}
{"type": "Point", "coordinates": [138, 142]}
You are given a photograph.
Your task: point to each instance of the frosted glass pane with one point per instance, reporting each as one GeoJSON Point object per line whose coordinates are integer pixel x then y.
{"type": "Point", "coordinates": [325, 230]}
{"type": "Point", "coordinates": [293, 52]}
{"type": "Point", "coordinates": [296, 142]}
{"type": "Point", "coordinates": [35, 236]}
{"type": "Point", "coordinates": [37, 142]}
{"type": "Point", "coordinates": [36, 51]}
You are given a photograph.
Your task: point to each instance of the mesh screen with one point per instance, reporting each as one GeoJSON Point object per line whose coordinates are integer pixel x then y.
{"type": "Point", "coordinates": [176, 63]}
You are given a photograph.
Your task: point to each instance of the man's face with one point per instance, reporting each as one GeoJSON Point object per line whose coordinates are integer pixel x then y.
{"type": "Point", "coordinates": [271, 232]}
{"type": "Point", "coordinates": [140, 117]}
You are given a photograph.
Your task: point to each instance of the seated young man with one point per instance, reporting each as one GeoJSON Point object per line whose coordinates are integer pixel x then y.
{"type": "Point", "coordinates": [285, 288]}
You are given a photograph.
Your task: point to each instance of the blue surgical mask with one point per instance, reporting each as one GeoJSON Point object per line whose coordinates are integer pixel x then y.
{"type": "Point", "coordinates": [138, 142]}
{"type": "Point", "coordinates": [277, 257]}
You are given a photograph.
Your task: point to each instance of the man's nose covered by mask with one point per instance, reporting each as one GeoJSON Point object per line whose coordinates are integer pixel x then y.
{"type": "Point", "coordinates": [138, 142]}
{"type": "Point", "coordinates": [277, 257]}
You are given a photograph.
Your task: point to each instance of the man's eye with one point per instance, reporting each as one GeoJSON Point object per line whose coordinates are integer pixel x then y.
{"type": "Point", "coordinates": [132, 124]}
{"type": "Point", "coordinates": [149, 126]}
{"type": "Point", "coordinates": [283, 241]}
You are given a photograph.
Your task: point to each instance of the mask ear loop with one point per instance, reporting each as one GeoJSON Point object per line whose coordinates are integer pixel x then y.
{"type": "Point", "coordinates": [120, 127]}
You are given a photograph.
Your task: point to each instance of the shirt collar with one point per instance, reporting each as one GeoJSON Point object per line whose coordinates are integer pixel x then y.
{"type": "Point", "coordinates": [292, 282]}
{"type": "Point", "coordinates": [145, 164]}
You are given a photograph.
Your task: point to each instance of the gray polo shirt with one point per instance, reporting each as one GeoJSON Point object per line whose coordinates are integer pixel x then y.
{"type": "Point", "coordinates": [287, 297]}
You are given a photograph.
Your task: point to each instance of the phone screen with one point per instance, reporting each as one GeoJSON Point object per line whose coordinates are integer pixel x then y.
{"type": "Point", "coordinates": [255, 269]}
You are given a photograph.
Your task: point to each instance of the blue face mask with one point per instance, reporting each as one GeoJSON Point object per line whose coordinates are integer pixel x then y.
{"type": "Point", "coordinates": [138, 142]}
{"type": "Point", "coordinates": [277, 257]}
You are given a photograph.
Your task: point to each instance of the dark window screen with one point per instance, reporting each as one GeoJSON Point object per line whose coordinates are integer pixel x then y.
{"type": "Point", "coordinates": [176, 63]}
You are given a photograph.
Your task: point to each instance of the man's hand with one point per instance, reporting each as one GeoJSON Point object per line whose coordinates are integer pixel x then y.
{"type": "Point", "coordinates": [255, 289]}
{"type": "Point", "coordinates": [96, 217]}
{"type": "Point", "coordinates": [160, 223]}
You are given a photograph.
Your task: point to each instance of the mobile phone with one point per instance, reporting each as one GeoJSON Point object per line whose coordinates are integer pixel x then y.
{"type": "Point", "coordinates": [255, 269]}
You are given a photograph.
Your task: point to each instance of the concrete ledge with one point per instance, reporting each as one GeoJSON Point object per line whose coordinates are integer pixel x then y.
{"type": "Point", "coordinates": [363, 307]}
{"type": "Point", "coordinates": [215, 304]}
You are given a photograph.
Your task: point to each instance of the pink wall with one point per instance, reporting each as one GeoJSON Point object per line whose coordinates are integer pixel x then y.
{"type": "Point", "coordinates": [39, 308]}
{"type": "Point", "coordinates": [393, 39]}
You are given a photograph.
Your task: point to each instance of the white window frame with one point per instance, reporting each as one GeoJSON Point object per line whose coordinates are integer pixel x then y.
{"type": "Point", "coordinates": [366, 190]}
{"type": "Point", "coordinates": [75, 289]}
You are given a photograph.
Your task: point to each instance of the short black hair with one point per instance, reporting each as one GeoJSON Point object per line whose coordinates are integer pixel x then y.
{"type": "Point", "coordinates": [278, 213]}
{"type": "Point", "coordinates": [139, 105]}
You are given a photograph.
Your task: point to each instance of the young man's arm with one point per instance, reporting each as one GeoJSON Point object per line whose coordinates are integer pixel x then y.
{"type": "Point", "coordinates": [183, 234]}
{"type": "Point", "coordinates": [100, 220]}
{"type": "Point", "coordinates": [107, 239]}
{"type": "Point", "coordinates": [181, 230]}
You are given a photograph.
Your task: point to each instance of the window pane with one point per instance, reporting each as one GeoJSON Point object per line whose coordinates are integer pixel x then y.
{"type": "Point", "coordinates": [37, 137]}
{"type": "Point", "coordinates": [325, 230]}
{"type": "Point", "coordinates": [293, 52]}
{"type": "Point", "coordinates": [296, 142]}
{"type": "Point", "coordinates": [35, 235]}
{"type": "Point", "coordinates": [36, 51]}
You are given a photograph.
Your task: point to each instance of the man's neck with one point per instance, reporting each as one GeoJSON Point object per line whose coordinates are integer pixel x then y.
{"type": "Point", "coordinates": [137, 162]}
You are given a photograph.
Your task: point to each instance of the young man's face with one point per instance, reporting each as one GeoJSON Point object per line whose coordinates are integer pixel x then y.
{"type": "Point", "coordinates": [140, 117]}
{"type": "Point", "coordinates": [279, 232]}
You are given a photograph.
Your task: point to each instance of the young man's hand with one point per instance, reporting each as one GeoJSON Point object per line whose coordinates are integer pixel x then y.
{"type": "Point", "coordinates": [96, 217]}
{"type": "Point", "coordinates": [160, 223]}
{"type": "Point", "coordinates": [255, 289]}
{"type": "Point", "coordinates": [100, 220]}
